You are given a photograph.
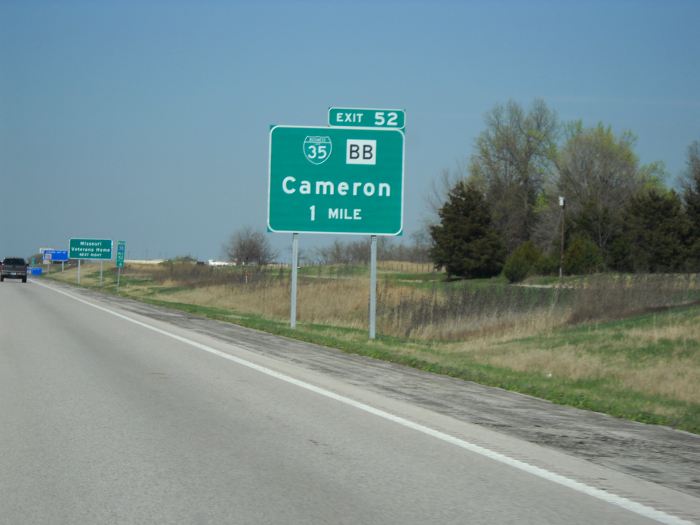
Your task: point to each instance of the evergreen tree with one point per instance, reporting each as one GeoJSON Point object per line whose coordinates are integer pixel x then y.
{"type": "Point", "coordinates": [656, 229]}
{"type": "Point", "coordinates": [525, 260]}
{"type": "Point", "coordinates": [582, 256]}
{"type": "Point", "coordinates": [465, 242]}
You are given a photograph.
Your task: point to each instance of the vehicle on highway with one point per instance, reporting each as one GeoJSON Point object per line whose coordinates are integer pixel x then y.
{"type": "Point", "coordinates": [14, 268]}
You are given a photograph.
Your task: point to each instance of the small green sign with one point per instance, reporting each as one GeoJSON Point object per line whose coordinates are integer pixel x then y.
{"type": "Point", "coordinates": [336, 180]}
{"type": "Point", "coordinates": [367, 118]}
{"type": "Point", "coordinates": [121, 253]}
{"type": "Point", "coordinates": [90, 249]}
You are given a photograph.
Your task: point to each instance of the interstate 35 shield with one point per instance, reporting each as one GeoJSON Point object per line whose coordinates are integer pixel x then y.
{"type": "Point", "coordinates": [317, 150]}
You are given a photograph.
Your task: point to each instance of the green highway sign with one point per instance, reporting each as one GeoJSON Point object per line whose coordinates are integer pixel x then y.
{"type": "Point", "coordinates": [367, 118]}
{"type": "Point", "coordinates": [121, 252]}
{"type": "Point", "coordinates": [90, 249]}
{"type": "Point", "coordinates": [335, 180]}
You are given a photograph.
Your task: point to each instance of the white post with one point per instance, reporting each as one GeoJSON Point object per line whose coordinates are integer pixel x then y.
{"type": "Point", "coordinates": [562, 205]}
{"type": "Point", "coordinates": [119, 274]}
{"type": "Point", "coordinates": [373, 288]}
{"type": "Point", "coordinates": [295, 264]}
{"type": "Point", "coordinates": [78, 271]}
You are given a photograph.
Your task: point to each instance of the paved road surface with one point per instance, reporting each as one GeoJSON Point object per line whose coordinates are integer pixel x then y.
{"type": "Point", "coordinates": [112, 417]}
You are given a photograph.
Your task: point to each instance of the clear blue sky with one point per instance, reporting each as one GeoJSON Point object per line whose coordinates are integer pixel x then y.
{"type": "Point", "coordinates": [148, 120]}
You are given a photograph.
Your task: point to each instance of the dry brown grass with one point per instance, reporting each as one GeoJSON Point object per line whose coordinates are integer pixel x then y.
{"type": "Point", "coordinates": [339, 302]}
{"type": "Point", "coordinates": [566, 362]}
{"type": "Point", "coordinates": [674, 378]}
{"type": "Point", "coordinates": [404, 267]}
{"type": "Point", "coordinates": [671, 370]}
{"type": "Point", "coordinates": [681, 333]}
{"type": "Point", "coordinates": [678, 379]}
{"type": "Point", "coordinates": [502, 326]}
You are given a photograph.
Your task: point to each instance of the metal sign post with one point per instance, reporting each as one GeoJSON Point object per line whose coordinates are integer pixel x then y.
{"type": "Point", "coordinates": [295, 265]}
{"type": "Point", "coordinates": [78, 271]}
{"type": "Point", "coordinates": [373, 288]}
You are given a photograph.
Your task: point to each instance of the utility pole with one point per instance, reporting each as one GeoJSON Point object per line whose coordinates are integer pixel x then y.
{"type": "Point", "coordinates": [562, 205]}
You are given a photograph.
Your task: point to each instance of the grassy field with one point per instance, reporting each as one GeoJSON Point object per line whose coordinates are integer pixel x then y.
{"type": "Point", "coordinates": [625, 345]}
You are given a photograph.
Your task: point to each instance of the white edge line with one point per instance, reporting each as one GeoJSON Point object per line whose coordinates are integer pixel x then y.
{"type": "Point", "coordinates": [627, 504]}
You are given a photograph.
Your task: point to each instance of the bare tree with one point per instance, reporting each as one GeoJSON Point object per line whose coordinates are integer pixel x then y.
{"type": "Point", "coordinates": [691, 198]}
{"type": "Point", "coordinates": [514, 159]}
{"type": "Point", "coordinates": [333, 254]}
{"type": "Point", "coordinates": [691, 184]}
{"type": "Point", "coordinates": [247, 246]}
{"type": "Point", "coordinates": [358, 252]}
{"type": "Point", "coordinates": [440, 189]}
{"type": "Point", "coordinates": [435, 199]}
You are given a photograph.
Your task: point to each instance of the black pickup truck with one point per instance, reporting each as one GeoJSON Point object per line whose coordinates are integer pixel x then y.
{"type": "Point", "coordinates": [13, 268]}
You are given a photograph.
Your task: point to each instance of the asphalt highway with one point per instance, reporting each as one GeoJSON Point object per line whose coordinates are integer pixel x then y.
{"type": "Point", "coordinates": [111, 417]}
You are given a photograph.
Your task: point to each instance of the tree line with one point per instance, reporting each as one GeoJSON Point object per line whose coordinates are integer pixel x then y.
{"type": "Point", "coordinates": [248, 246]}
{"type": "Point", "coordinates": [539, 195]}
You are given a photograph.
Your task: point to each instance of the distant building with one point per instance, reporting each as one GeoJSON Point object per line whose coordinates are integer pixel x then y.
{"type": "Point", "coordinates": [143, 261]}
{"type": "Point", "coordinates": [211, 262]}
